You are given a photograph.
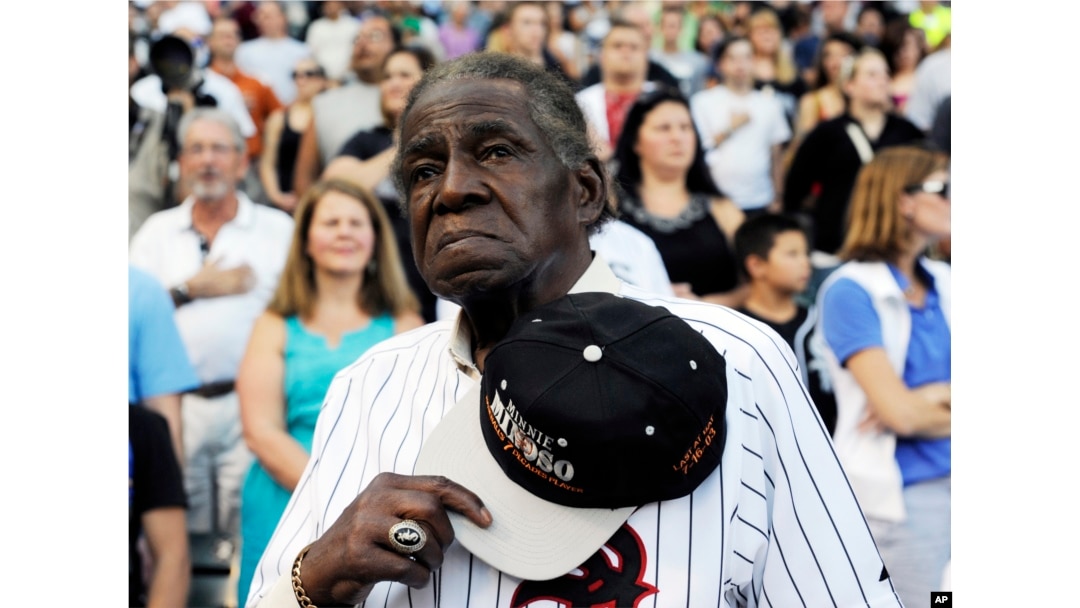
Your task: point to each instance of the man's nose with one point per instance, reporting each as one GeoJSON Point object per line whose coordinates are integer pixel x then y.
{"type": "Point", "coordinates": [461, 186]}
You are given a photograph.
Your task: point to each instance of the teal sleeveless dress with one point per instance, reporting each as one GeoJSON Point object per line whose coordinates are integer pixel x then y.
{"type": "Point", "coordinates": [310, 365]}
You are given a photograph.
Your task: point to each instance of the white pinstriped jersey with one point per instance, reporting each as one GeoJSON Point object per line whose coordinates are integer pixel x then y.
{"type": "Point", "coordinates": [775, 525]}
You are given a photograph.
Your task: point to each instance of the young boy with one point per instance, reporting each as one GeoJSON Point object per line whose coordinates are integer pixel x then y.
{"type": "Point", "coordinates": [774, 254]}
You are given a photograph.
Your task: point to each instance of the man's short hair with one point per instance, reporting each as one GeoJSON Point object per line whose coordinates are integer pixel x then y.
{"type": "Point", "coordinates": [757, 236]}
{"type": "Point", "coordinates": [622, 23]}
{"type": "Point", "coordinates": [551, 106]}
{"type": "Point", "coordinates": [211, 114]}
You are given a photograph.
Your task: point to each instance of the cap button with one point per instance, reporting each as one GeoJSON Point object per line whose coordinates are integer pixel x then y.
{"type": "Point", "coordinates": [593, 353]}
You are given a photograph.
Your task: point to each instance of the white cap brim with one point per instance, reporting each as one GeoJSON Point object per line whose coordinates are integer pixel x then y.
{"type": "Point", "coordinates": [529, 538]}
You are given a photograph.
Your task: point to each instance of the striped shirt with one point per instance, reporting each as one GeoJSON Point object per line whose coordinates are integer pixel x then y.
{"type": "Point", "coordinates": [775, 525]}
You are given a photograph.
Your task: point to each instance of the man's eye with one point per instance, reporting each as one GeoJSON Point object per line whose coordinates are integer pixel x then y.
{"type": "Point", "coordinates": [423, 172]}
{"type": "Point", "coordinates": [499, 151]}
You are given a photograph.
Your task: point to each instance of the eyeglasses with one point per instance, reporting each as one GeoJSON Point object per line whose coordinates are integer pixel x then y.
{"type": "Point", "coordinates": [215, 149]}
{"type": "Point", "coordinates": [298, 74]}
{"type": "Point", "coordinates": [934, 187]}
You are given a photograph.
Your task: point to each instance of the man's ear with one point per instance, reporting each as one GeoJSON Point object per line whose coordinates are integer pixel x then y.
{"type": "Point", "coordinates": [593, 191]}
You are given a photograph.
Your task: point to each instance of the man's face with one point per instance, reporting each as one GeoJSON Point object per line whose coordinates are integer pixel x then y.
{"type": "Point", "coordinates": [224, 38]}
{"type": "Point", "coordinates": [670, 26]}
{"type": "Point", "coordinates": [373, 43]}
{"type": "Point", "coordinates": [737, 64]}
{"type": "Point", "coordinates": [210, 162]}
{"type": "Point", "coordinates": [492, 208]}
{"type": "Point", "coordinates": [624, 53]}
{"type": "Point", "coordinates": [270, 20]}
{"type": "Point", "coordinates": [528, 25]}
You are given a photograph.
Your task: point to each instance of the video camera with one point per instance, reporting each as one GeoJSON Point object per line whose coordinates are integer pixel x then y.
{"type": "Point", "coordinates": [173, 60]}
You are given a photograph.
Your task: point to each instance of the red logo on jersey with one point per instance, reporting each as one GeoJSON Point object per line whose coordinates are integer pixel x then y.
{"type": "Point", "coordinates": [601, 583]}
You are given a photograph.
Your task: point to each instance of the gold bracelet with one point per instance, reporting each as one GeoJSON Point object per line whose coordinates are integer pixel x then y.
{"type": "Point", "coordinates": [297, 586]}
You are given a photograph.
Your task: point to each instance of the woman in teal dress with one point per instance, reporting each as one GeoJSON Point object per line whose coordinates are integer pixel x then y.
{"type": "Point", "coordinates": [343, 290]}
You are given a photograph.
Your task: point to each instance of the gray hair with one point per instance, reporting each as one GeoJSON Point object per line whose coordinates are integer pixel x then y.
{"type": "Point", "coordinates": [211, 114]}
{"type": "Point", "coordinates": [551, 106]}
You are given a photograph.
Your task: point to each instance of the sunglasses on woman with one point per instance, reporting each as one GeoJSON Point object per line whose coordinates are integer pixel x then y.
{"type": "Point", "coordinates": [308, 74]}
{"type": "Point", "coordinates": [933, 187]}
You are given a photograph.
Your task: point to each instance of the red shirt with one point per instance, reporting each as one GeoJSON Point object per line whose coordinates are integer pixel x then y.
{"type": "Point", "coordinates": [618, 106]}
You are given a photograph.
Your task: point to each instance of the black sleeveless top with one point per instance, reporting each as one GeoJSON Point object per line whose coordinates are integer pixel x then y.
{"type": "Point", "coordinates": [288, 146]}
{"type": "Point", "coordinates": [693, 247]}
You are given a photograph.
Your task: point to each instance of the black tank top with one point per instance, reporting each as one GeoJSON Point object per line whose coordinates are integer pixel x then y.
{"type": "Point", "coordinates": [693, 247]}
{"type": "Point", "coordinates": [288, 146]}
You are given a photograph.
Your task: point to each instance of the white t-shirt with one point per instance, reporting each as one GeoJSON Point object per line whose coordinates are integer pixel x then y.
{"type": "Point", "coordinates": [742, 165]}
{"type": "Point", "coordinates": [272, 61]}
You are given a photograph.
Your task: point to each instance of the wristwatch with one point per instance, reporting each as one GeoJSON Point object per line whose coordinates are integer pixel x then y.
{"type": "Point", "coordinates": [180, 294]}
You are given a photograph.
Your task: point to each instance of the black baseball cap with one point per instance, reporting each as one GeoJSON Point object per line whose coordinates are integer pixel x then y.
{"type": "Point", "coordinates": [590, 406]}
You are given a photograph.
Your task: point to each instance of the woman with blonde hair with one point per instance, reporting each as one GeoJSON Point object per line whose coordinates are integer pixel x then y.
{"type": "Point", "coordinates": [342, 290]}
{"type": "Point", "coordinates": [885, 324]}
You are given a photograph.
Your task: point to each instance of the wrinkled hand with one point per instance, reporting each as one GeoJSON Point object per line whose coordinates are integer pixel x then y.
{"type": "Point", "coordinates": [212, 281]}
{"type": "Point", "coordinates": [355, 552]}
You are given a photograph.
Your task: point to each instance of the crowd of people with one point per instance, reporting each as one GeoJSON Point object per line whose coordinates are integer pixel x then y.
{"type": "Point", "coordinates": [788, 160]}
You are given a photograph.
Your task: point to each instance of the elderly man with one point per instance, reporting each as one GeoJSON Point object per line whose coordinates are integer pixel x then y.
{"type": "Point", "coordinates": [502, 189]}
{"type": "Point", "coordinates": [220, 255]}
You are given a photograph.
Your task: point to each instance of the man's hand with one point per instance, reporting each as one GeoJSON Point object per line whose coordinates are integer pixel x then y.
{"type": "Point", "coordinates": [212, 281]}
{"type": "Point", "coordinates": [355, 552]}
{"type": "Point", "coordinates": [739, 119]}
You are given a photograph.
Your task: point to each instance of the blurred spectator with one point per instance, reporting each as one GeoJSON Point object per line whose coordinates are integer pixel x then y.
{"type": "Point", "coordinates": [870, 25]}
{"type": "Point", "coordinates": [221, 255]}
{"type": "Point", "coordinates": [933, 18]}
{"type": "Point", "coordinates": [284, 128]}
{"type": "Point", "coordinates": [526, 36]}
{"type": "Point", "coordinates": [689, 67]}
{"type": "Point", "coordinates": [156, 504]}
{"type": "Point", "coordinates": [827, 161]}
{"type": "Point", "coordinates": [667, 193]}
{"type": "Point", "coordinates": [416, 28]}
{"type": "Point", "coordinates": [158, 366]}
{"type": "Point", "coordinates": [366, 157]}
{"type": "Point", "coordinates": [904, 47]}
{"type": "Point", "coordinates": [330, 38]}
{"type": "Point", "coordinates": [270, 57]}
{"type": "Point", "coordinates": [342, 111]}
{"type": "Point", "coordinates": [260, 99]}
{"type": "Point", "coordinates": [828, 17]}
{"type": "Point", "coordinates": [826, 100]}
{"type": "Point", "coordinates": [638, 15]}
{"type": "Point", "coordinates": [565, 45]}
{"type": "Point", "coordinates": [624, 65]}
{"type": "Point", "coordinates": [455, 34]}
{"type": "Point", "coordinates": [342, 291]}
{"type": "Point", "coordinates": [710, 34]}
{"type": "Point", "coordinates": [774, 71]}
{"type": "Point", "coordinates": [774, 255]}
{"type": "Point", "coordinates": [933, 83]}
{"type": "Point", "coordinates": [743, 131]}
{"type": "Point", "coordinates": [886, 317]}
